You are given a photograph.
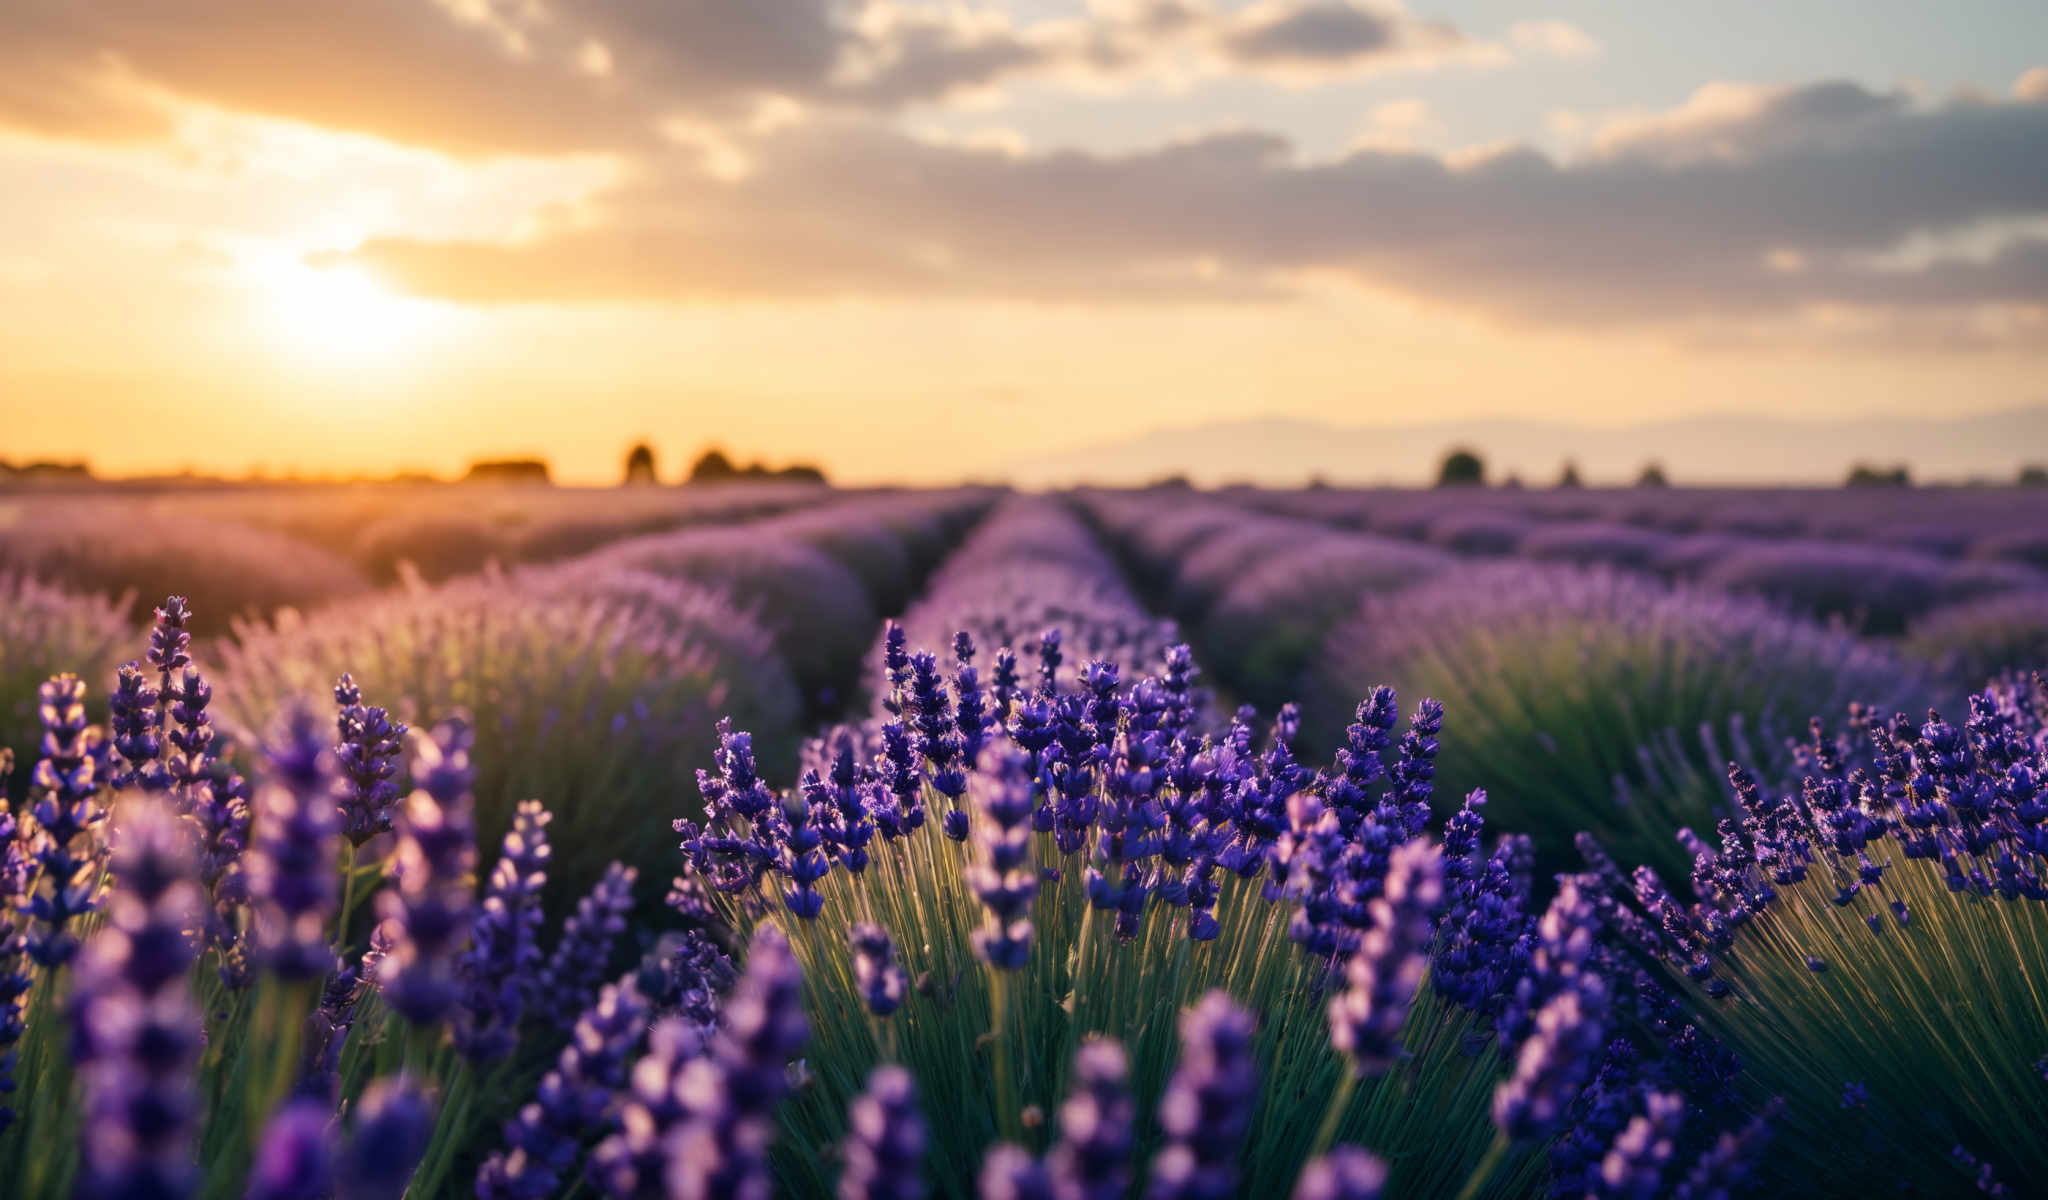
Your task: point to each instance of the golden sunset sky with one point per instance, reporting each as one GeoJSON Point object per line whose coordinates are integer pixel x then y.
{"type": "Point", "coordinates": [924, 240]}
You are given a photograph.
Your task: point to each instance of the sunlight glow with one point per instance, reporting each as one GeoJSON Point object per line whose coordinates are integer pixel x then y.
{"type": "Point", "coordinates": [342, 314]}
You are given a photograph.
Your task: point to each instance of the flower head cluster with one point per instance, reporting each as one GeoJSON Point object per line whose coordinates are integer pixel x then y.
{"type": "Point", "coordinates": [367, 753]}
{"type": "Point", "coordinates": [428, 909]}
{"type": "Point", "coordinates": [290, 870]}
{"type": "Point", "coordinates": [1207, 1108]}
{"type": "Point", "coordinates": [135, 1026]}
{"type": "Point", "coordinates": [504, 951]}
{"type": "Point", "coordinates": [1386, 973]}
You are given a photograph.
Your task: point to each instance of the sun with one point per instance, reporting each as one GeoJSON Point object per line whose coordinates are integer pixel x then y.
{"type": "Point", "coordinates": [341, 314]}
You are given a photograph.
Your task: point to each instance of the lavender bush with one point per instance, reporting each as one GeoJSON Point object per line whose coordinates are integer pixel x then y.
{"type": "Point", "coordinates": [1868, 933]}
{"type": "Point", "coordinates": [1560, 676]}
{"type": "Point", "coordinates": [130, 547]}
{"type": "Point", "coordinates": [594, 701]}
{"type": "Point", "coordinates": [1973, 641]}
{"type": "Point", "coordinates": [45, 630]}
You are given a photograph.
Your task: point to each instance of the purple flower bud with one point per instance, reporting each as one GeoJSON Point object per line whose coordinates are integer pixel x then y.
{"type": "Point", "coordinates": [290, 871]}
{"type": "Point", "coordinates": [394, 1121]}
{"type": "Point", "coordinates": [428, 909]}
{"type": "Point", "coordinates": [881, 982]}
{"type": "Point", "coordinates": [1345, 1173]}
{"type": "Point", "coordinates": [1092, 1160]}
{"type": "Point", "coordinates": [543, 1140]}
{"type": "Point", "coordinates": [367, 754]}
{"type": "Point", "coordinates": [884, 1148]}
{"type": "Point", "coordinates": [67, 784]}
{"type": "Point", "coordinates": [1386, 972]}
{"type": "Point", "coordinates": [295, 1159]}
{"type": "Point", "coordinates": [1008, 1172]}
{"type": "Point", "coordinates": [136, 1031]}
{"type": "Point", "coordinates": [1207, 1107]}
{"type": "Point", "coordinates": [1634, 1166]}
{"type": "Point", "coordinates": [497, 971]}
{"type": "Point", "coordinates": [588, 938]}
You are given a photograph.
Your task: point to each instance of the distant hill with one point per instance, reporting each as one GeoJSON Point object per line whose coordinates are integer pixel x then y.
{"type": "Point", "coordinates": [1695, 451]}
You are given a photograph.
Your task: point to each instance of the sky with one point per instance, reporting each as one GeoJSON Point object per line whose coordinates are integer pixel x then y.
{"type": "Point", "coordinates": [922, 239]}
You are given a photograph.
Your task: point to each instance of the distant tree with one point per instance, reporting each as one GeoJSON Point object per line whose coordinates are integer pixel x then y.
{"type": "Point", "coordinates": [2034, 475]}
{"type": "Point", "coordinates": [1512, 483]}
{"type": "Point", "coordinates": [1570, 477]}
{"type": "Point", "coordinates": [1462, 468]}
{"type": "Point", "coordinates": [507, 470]}
{"type": "Point", "coordinates": [712, 466]}
{"type": "Point", "coordinates": [801, 473]}
{"type": "Point", "coordinates": [1652, 476]}
{"type": "Point", "coordinates": [640, 464]}
{"type": "Point", "coordinates": [1864, 475]}
{"type": "Point", "coordinates": [1171, 483]}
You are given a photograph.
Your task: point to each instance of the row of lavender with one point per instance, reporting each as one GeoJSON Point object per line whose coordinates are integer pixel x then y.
{"type": "Point", "coordinates": [1964, 573]}
{"type": "Point", "coordinates": [250, 552]}
{"type": "Point", "coordinates": [1995, 524]}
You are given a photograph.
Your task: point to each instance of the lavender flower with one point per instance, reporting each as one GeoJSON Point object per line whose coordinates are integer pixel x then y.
{"type": "Point", "coordinates": [394, 1122]}
{"type": "Point", "coordinates": [1345, 1173]}
{"type": "Point", "coordinates": [1725, 1167]}
{"type": "Point", "coordinates": [570, 1104]}
{"type": "Point", "coordinates": [1207, 1107]}
{"type": "Point", "coordinates": [136, 1032]}
{"type": "Point", "coordinates": [67, 780]}
{"type": "Point", "coordinates": [290, 871]}
{"type": "Point", "coordinates": [1386, 972]}
{"type": "Point", "coordinates": [885, 1147]}
{"type": "Point", "coordinates": [1092, 1160]}
{"type": "Point", "coordinates": [880, 980]}
{"type": "Point", "coordinates": [133, 721]}
{"type": "Point", "coordinates": [1634, 1167]}
{"type": "Point", "coordinates": [632, 1162]}
{"type": "Point", "coordinates": [721, 1149]}
{"type": "Point", "coordinates": [1562, 1051]}
{"type": "Point", "coordinates": [498, 968]}
{"type": "Point", "coordinates": [1004, 878]}
{"type": "Point", "coordinates": [1008, 1172]}
{"type": "Point", "coordinates": [368, 752]}
{"type": "Point", "coordinates": [588, 938]}
{"type": "Point", "coordinates": [428, 909]}
{"type": "Point", "coordinates": [295, 1158]}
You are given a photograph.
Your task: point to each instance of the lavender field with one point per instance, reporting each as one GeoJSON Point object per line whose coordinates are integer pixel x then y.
{"type": "Point", "coordinates": [774, 839]}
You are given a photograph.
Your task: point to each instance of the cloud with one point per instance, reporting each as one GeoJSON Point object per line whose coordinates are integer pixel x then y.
{"type": "Point", "coordinates": [558, 76]}
{"type": "Point", "coordinates": [1554, 39]}
{"type": "Point", "coordinates": [1697, 215]}
{"type": "Point", "coordinates": [2033, 85]}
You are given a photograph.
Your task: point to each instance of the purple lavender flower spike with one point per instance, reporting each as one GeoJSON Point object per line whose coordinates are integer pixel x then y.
{"type": "Point", "coordinates": [290, 870]}
{"type": "Point", "coordinates": [498, 969]}
{"type": "Point", "coordinates": [881, 982]}
{"type": "Point", "coordinates": [1386, 972]}
{"type": "Point", "coordinates": [368, 752]}
{"type": "Point", "coordinates": [295, 1159]}
{"type": "Point", "coordinates": [394, 1121]}
{"type": "Point", "coordinates": [1562, 1051]}
{"type": "Point", "coordinates": [67, 782]}
{"type": "Point", "coordinates": [588, 938]}
{"type": "Point", "coordinates": [1207, 1107]}
{"type": "Point", "coordinates": [1092, 1160]}
{"type": "Point", "coordinates": [1003, 877]}
{"type": "Point", "coordinates": [633, 1161]}
{"type": "Point", "coordinates": [721, 1149]}
{"type": "Point", "coordinates": [428, 909]}
{"type": "Point", "coordinates": [885, 1145]}
{"type": "Point", "coordinates": [571, 1103]}
{"type": "Point", "coordinates": [1725, 1167]}
{"type": "Point", "coordinates": [1008, 1172]}
{"type": "Point", "coordinates": [1634, 1166]}
{"type": "Point", "coordinates": [136, 1031]}
{"type": "Point", "coordinates": [133, 720]}
{"type": "Point", "coordinates": [1345, 1173]}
